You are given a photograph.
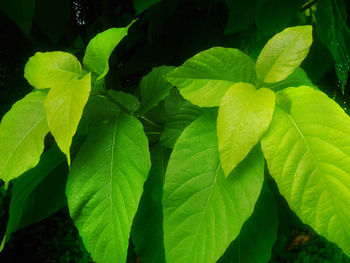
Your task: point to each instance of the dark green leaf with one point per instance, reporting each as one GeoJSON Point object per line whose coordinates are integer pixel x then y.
{"type": "Point", "coordinates": [125, 100]}
{"type": "Point", "coordinates": [179, 114]}
{"type": "Point", "coordinates": [335, 34]}
{"type": "Point", "coordinates": [241, 15]}
{"type": "Point", "coordinates": [20, 11]}
{"type": "Point", "coordinates": [147, 231]}
{"type": "Point", "coordinates": [272, 16]}
{"type": "Point", "coordinates": [142, 5]}
{"type": "Point", "coordinates": [154, 87]}
{"type": "Point", "coordinates": [38, 193]}
{"type": "Point", "coordinates": [52, 17]}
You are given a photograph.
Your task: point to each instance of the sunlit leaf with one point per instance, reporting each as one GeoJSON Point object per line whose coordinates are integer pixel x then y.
{"type": "Point", "coordinates": [105, 184]}
{"type": "Point", "coordinates": [307, 149]}
{"type": "Point", "coordinates": [205, 78]}
{"type": "Point", "coordinates": [22, 133]}
{"type": "Point", "coordinates": [244, 115]}
{"type": "Point", "coordinates": [284, 53]}
{"type": "Point", "coordinates": [203, 211]}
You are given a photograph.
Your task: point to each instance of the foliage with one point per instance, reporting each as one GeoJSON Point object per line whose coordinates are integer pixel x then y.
{"type": "Point", "coordinates": [176, 166]}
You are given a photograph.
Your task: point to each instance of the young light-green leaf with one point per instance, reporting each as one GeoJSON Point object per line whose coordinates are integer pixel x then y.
{"type": "Point", "coordinates": [45, 70]}
{"type": "Point", "coordinates": [284, 53]}
{"type": "Point", "coordinates": [105, 184]}
{"type": "Point", "coordinates": [154, 87]}
{"type": "Point", "coordinates": [38, 193]}
{"type": "Point", "coordinates": [100, 48]}
{"type": "Point", "coordinates": [64, 107]}
{"type": "Point", "coordinates": [22, 133]}
{"type": "Point", "coordinates": [307, 149]}
{"type": "Point", "coordinates": [244, 115]}
{"type": "Point", "coordinates": [203, 211]}
{"type": "Point", "coordinates": [205, 78]}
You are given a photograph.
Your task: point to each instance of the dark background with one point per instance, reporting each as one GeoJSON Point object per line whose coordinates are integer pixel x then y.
{"type": "Point", "coordinates": [166, 33]}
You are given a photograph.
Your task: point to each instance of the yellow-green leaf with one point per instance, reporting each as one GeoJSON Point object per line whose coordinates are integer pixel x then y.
{"type": "Point", "coordinates": [22, 133]}
{"type": "Point", "coordinates": [244, 115]}
{"type": "Point", "coordinates": [307, 149]}
{"type": "Point", "coordinates": [100, 48]}
{"type": "Point", "coordinates": [64, 107]}
{"type": "Point", "coordinates": [284, 53]}
{"type": "Point", "coordinates": [45, 70]}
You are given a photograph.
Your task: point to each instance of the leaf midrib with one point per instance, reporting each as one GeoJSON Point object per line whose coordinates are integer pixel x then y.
{"type": "Point", "coordinates": [20, 142]}
{"type": "Point", "coordinates": [317, 168]}
{"type": "Point", "coordinates": [204, 210]}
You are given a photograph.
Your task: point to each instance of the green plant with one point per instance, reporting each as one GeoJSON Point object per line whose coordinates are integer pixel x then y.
{"type": "Point", "coordinates": [205, 193]}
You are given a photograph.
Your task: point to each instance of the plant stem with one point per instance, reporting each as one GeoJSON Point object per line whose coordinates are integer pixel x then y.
{"type": "Point", "coordinates": [150, 122]}
{"type": "Point", "coordinates": [307, 6]}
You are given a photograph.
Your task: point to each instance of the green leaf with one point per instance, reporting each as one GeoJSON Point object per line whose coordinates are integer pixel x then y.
{"type": "Point", "coordinates": [296, 79]}
{"type": "Point", "coordinates": [258, 235]}
{"type": "Point", "coordinates": [100, 48]}
{"type": "Point", "coordinates": [308, 154]}
{"type": "Point", "coordinates": [203, 211]}
{"type": "Point", "coordinates": [205, 78]}
{"type": "Point", "coordinates": [38, 193]}
{"type": "Point", "coordinates": [20, 11]}
{"type": "Point", "coordinates": [64, 107]}
{"type": "Point", "coordinates": [45, 70]}
{"type": "Point", "coordinates": [179, 114]}
{"type": "Point", "coordinates": [244, 115]}
{"type": "Point", "coordinates": [52, 17]}
{"type": "Point", "coordinates": [125, 100]}
{"type": "Point", "coordinates": [142, 5]}
{"type": "Point", "coordinates": [154, 87]}
{"type": "Point", "coordinates": [335, 34]}
{"type": "Point", "coordinates": [97, 110]}
{"type": "Point", "coordinates": [105, 184]}
{"type": "Point", "coordinates": [241, 15]}
{"type": "Point", "coordinates": [22, 133]}
{"type": "Point", "coordinates": [272, 16]}
{"type": "Point", "coordinates": [284, 53]}
{"type": "Point", "coordinates": [147, 231]}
